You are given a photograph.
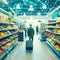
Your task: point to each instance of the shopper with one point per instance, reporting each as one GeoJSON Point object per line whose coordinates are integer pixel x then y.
{"type": "Point", "coordinates": [25, 29]}
{"type": "Point", "coordinates": [36, 29]}
{"type": "Point", "coordinates": [30, 32]}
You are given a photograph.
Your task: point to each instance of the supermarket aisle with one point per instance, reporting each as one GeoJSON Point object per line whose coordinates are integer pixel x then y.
{"type": "Point", "coordinates": [40, 52]}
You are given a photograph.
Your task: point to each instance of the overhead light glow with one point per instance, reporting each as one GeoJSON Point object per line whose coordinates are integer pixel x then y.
{"type": "Point", "coordinates": [31, 8]}
{"type": "Point", "coordinates": [5, 2]}
{"type": "Point", "coordinates": [38, 13]}
{"type": "Point", "coordinates": [18, 6]}
{"type": "Point", "coordinates": [44, 6]}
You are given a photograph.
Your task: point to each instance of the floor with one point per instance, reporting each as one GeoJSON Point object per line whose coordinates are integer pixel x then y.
{"type": "Point", "coordinates": [40, 51]}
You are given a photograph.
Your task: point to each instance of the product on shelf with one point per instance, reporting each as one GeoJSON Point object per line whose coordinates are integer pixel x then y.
{"type": "Point", "coordinates": [20, 30]}
{"type": "Point", "coordinates": [58, 31]}
{"type": "Point", "coordinates": [4, 18]}
{"type": "Point", "coordinates": [58, 25]}
{"type": "Point", "coordinates": [58, 19]}
{"type": "Point", "coordinates": [11, 26]}
{"type": "Point", "coordinates": [54, 44]}
{"type": "Point", "coordinates": [1, 27]}
{"type": "Point", "coordinates": [7, 46]}
{"type": "Point", "coordinates": [2, 34]}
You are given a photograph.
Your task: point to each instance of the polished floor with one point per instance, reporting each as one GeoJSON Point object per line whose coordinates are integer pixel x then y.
{"type": "Point", "coordinates": [40, 51]}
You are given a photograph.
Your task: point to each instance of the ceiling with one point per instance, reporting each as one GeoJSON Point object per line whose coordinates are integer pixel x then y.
{"type": "Point", "coordinates": [40, 7]}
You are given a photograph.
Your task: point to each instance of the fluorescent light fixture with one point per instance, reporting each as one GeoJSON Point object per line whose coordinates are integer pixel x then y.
{"type": "Point", "coordinates": [18, 6]}
{"type": "Point", "coordinates": [44, 6]}
{"type": "Point", "coordinates": [5, 2]}
{"type": "Point", "coordinates": [31, 8]}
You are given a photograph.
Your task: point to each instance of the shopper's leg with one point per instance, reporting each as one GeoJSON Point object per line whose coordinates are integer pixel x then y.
{"type": "Point", "coordinates": [32, 38]}
{"type": "Point", "coordinates": [29, 38]}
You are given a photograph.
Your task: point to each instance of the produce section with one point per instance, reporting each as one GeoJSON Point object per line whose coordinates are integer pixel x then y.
{"type": "Point", "coordinates": [53, 31]}
{"type": "Point", "coordinates": [8, 36]}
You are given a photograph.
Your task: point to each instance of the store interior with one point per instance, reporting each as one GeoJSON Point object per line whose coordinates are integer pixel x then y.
{"type": "Point", "coordinates": [17, 16]}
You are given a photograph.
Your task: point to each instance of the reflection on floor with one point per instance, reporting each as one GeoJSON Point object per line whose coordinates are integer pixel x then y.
{"type": "Point", "coordinates": [40, 51]}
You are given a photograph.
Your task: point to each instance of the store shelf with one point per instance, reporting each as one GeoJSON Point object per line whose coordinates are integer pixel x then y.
{"type": "Point", "coordinates": [56, 40]}
{"type": "Point", "coordinates": [57, 53]}
{"type": "Point", "coordinates": [7, 42]}
{"type": "Point", "coordinates": [53, 23]}
{"type": "Point", "coordinates": [52, 32]}
{"type": "Point", "coordinates": [4, 43]}
{"type": "Point", "coordinates": [7, 23]}
{"type": "Point", "coordinates": [8, 29]}
{"type": "Point", "coordinates": [53, 27]}
{"type": "Point", "coordinates": [7, 52]}
{"type": "Point", "coordinates": [8, 35]}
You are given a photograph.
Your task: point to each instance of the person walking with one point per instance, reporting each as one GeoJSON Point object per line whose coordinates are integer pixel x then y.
{"type": "Point", "coordinates": [30, 32]}
{"type": "Point", "coordinates": [36, 29]}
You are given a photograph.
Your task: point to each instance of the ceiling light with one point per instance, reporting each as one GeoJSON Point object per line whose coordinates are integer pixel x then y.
{"type": "Point", "coordinates": [44, 6]}
{"type": "Point", "coordinates": [5, 2]}
{"type": "Point", "coordinates": [18, 6]}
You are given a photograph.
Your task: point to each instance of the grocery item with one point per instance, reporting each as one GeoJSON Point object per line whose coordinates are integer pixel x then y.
{"type": "Point", "coordinates": [58, 31]}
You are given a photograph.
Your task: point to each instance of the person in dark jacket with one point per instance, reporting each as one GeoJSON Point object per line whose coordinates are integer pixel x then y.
{"type": "Point", "coordinates": [30, 32]}
{"type": "Point", "coordinates": [36, 29]}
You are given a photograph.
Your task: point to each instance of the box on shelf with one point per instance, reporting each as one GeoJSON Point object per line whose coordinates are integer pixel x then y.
{"type": "Point", "coordinates": [4, 18]}
{"type": "Point", "coordinates": [57, 19]}
{"type": "Point", "coordinates": [51, 21]}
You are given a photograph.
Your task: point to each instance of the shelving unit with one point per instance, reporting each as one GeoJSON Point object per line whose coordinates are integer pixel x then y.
{"type": "Point", "coordinates": [8, 35]}
{"type": "Point", "coordinates": [52, 32]}
{"type": "Point", "coordinates": [52, 23]}
{"type": "Point", "coordinates": [57, 53]}
{"type": "Point", "coordinates": [53, 41]}
{"type": "Point", "coordinates": [1, 23]}
{"type": "Point", "coordinates": [8, 41]}
{"type": "Point", "coordinates": [8, 29]}
{"type": "Point", "coordinates": [7, 52]}
{"type": "Point", "coordinates": [8, 38]}
{"type": "Point", "coordinates": [53, 27]}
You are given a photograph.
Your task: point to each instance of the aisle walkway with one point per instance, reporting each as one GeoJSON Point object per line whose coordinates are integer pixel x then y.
{"type": "Point", "coordinates": [40, 52]}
